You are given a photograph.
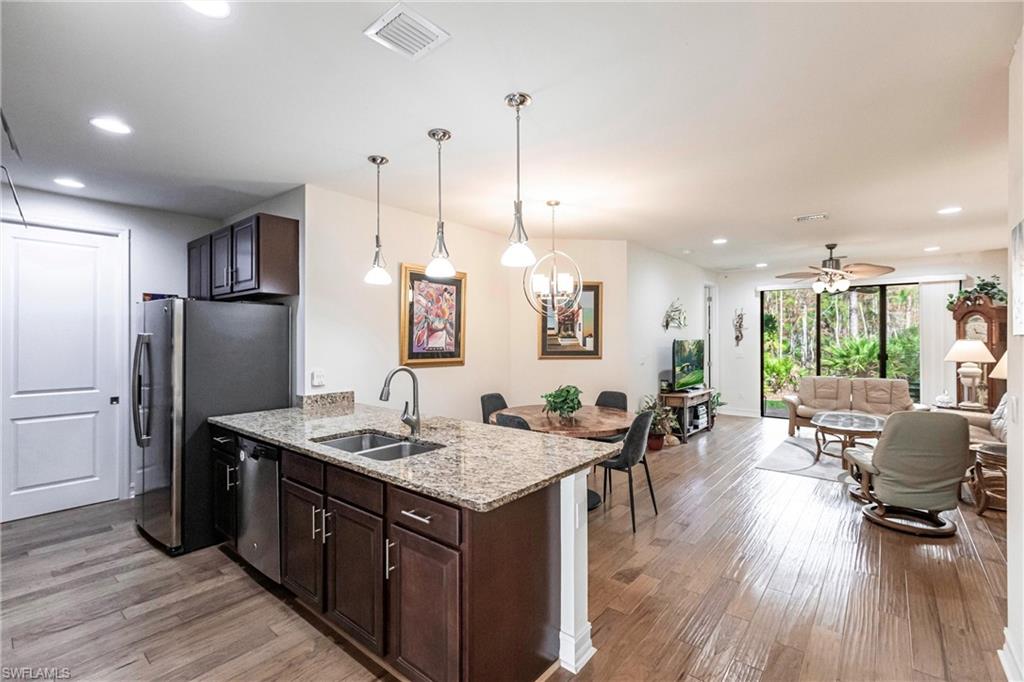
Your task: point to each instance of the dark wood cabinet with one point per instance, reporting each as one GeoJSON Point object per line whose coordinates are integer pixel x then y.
{"type": "Point", "coordinates": [199, 282]}
{"type": "Point", "coordinates": [220, 262]}
{"type": "Point", "coordinates": [355, 573]}
{"type": "Point", "coordinates": [302, 548]}
{"type": "Point", "coordinates": [225, 495]}
{"type": "Point", "coordinates": [424, 593]}
{"type": "Point", "coordinates": [244, 256]}
{"type": "Point", "coordinates": [252, 258]}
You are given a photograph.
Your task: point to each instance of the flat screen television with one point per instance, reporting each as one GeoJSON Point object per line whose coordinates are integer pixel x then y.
{"type": "Point", "coordinates": [687, 364]}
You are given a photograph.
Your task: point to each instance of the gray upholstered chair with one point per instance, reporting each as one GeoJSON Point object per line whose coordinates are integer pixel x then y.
{"type": "Point", "coordinates": [491, 403]}
{"type": "Point", "coordinates": [512, 421]}
{"type": "Point", "coordinates": [615, 400]}
{"type": "Point", "coordinates": [914, 472]}
{"type": "Point", "coordinates": [634, 447]}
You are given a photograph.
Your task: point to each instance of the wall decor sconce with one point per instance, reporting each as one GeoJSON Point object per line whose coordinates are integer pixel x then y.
{"type": "Point", "coordinates": [675, 316]}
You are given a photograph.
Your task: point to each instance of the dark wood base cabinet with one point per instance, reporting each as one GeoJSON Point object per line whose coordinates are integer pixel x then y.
{"type": "Point", "coordinates": [439, 592]}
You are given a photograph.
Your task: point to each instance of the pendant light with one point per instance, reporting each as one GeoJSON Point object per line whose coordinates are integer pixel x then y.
{"type": "Point", "coordinates": [518, 253]}
{"type": "Point", "coordinates": [440, 267]}
{"type": "Point", "coordinates": [554, 283]}
{"type": "Point", "coordinates": [378, 273]}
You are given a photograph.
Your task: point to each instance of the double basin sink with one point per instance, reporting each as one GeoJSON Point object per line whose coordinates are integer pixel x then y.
{"type": "Point", "coordinates": [378, 446]}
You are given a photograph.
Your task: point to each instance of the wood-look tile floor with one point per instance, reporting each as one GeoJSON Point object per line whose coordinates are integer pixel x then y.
{"type": "Point", "coordinates": [745, 574]}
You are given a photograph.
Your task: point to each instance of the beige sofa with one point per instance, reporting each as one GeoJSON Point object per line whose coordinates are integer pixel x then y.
{"type": "Point", "coordinates": [829, 394]}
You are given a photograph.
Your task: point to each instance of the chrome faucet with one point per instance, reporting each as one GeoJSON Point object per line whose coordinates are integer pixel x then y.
{"type": "Point", "coordinates": [411, 420]}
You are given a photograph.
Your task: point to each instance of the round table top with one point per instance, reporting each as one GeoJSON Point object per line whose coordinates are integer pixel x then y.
{"type": "Point", "coordinates": [589, 421]}
{"type": "Point", "coordinates": [848, 422]}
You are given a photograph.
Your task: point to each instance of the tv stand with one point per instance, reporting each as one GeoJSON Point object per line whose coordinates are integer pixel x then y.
{"type": "Point", "coordinates": [685, 404]}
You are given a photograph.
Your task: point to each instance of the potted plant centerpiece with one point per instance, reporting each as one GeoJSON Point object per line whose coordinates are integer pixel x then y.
{"type": "Point", "coordinates": [563, 401]}
{"type": "Point", "coordinates": [663, 423]}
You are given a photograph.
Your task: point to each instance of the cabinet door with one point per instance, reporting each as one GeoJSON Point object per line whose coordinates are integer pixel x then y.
{"type": "Point", "coordinates": [355, 573]}
{"type": "Point", "coordinates": [245, 255]}
{"type": "Point", "coordinates": [225, 499]}
{"type": "Point", "coordinates": [302, 549]}
{"type": "Point", "coordinates": [424, 595]}
{"type": "Point", "coordinates": [220, 262]}
{"type": "Point", "coordinates": [199, 268]}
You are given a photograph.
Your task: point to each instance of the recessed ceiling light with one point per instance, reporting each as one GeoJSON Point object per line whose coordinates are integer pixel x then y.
{"type": "Point", "coordinates": [760, 265]}
{"type": "Point", "coordinates": [687, 252]}
{"type": "Point", "coordinates": [949, 210]}
{"type": "Point", "coordinates": [810, 216]}
{"type": "Point", "coordinates": [69, 182]}
{"type": "Point", "coordinates": [111, 124]}
{"type": "Point", "coordinates": [931, 249]}
{"type": "Point", "coordinates": [719, 241]}
{"type": "Point", "coordinates": [215, 9]}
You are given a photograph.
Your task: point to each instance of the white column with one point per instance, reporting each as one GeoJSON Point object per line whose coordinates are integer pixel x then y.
{"type": "Point", "coordinates": [575, 647]}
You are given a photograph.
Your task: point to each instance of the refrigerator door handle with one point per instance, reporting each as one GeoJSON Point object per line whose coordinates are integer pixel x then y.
{"type": "Point", "coordinates": [141, 344]}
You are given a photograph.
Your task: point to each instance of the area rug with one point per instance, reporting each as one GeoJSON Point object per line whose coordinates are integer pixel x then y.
{"type": "Point", "coordinates": [796, 456]}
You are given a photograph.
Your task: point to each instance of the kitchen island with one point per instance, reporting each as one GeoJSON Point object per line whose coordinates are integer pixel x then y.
{"type": "Point", "coordinates": [465, 562]}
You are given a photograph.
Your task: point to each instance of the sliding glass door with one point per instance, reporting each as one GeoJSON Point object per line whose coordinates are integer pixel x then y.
{"type": "Point", "coordinates": [863, 332]}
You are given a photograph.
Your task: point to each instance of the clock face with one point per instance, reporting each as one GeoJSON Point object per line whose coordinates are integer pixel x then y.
{"type": "Point", "coordinates": [976, 328]}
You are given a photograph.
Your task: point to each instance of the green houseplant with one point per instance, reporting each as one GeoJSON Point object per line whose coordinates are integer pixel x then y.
{"type": "Point", "coordinates": [990, 287]}
{"type": "Point", "coordinates": [663, 423]}
{"type": "Point", "coordinates": [563, 401]}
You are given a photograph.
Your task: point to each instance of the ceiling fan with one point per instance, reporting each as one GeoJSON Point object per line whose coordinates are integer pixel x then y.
{"type": "Point", "coordinates": [833, 276]}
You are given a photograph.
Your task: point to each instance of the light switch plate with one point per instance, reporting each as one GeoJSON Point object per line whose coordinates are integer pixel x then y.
{"type": "Point", "coordinates": [318, 379]}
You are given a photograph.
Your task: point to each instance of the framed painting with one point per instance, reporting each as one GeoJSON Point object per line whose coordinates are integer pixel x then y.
{"type": "Point", "coordinates": [1017, 278]}
{"type": "Point", "coordinates": [573, 333]}
{"type": "Point", "coordinates": [432, 319]}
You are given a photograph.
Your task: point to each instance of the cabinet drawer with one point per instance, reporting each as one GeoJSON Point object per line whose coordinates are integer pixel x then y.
{"type": "Point", "coordinates": [356, 489]}
{"type": "Point", "coordinates": [425, 516]}
{"type": "Point", "coordinates": [303, 469]}
{"type": "Point", "coordinates": [223, 440]}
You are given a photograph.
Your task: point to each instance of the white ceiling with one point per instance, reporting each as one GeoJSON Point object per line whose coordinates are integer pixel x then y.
{"type": "Point", "coordinates": [668, 124]}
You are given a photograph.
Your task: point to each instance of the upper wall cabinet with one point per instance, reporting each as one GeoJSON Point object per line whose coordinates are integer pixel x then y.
{"type": "Point", "coordinates": [257, 256]}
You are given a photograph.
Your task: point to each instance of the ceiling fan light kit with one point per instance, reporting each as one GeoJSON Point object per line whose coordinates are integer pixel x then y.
{"type": "Point", "coordinates": [832, 277]}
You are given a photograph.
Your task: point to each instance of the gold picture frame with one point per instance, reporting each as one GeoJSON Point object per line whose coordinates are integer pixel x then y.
{"type": "Point", "coordinates": [434, 337]}
{"type": "Point", "coordinates": [547, 351]}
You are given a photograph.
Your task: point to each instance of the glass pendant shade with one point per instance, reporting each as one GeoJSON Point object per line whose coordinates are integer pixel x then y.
{"type": "Point", "coordinates": [818, 286]}
{"type": "Point", "coordinates": [518, 255]}
{"type": "Point", "coordinates": [843, 285]}
{"type": "Point", "coordinates": [378, 274]}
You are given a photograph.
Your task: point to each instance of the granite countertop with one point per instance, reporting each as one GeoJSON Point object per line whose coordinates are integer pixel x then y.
{"type": "Point", "coordinates": [479, 467]}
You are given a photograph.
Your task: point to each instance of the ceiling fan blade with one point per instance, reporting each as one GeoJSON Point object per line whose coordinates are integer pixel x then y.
{"type": "Point", "coordinates": [797, 275]}
{"type": "Point", "coordinates": [867, 269]}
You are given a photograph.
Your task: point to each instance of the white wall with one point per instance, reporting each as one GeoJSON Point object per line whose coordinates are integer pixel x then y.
{"type": "Point", "coordinates": [352, 328]}
{"type": "Point", "coordinates": [157, 262]}
{"type": "Point", "coordinates": [739, 378]}
{"type": "Point", "coordinates": [530, 377]}
{"type": "Point", "coordinates": [654, 281]}
{"type": "Point", "coordinates": [290, 204]}
{"type": "Point", "coordinates": [1012, 654]}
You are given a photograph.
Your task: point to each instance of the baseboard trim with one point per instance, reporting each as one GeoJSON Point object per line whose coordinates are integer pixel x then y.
{"type": "Point", "coordinates": [1010, 660]}
{"type": "Point", "coordinates": [575, 652]}
{"type": "Point", "coordinates": [733, 412]}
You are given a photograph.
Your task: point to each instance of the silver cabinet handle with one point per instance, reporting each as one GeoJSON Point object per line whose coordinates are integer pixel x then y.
{"type": "Point", "coordinates": [223, 440]}
{"type": "Point", "coordinates": [227, 280]}
{"type": "Point", "coordinates": [141, 435]}
{"type": "Point", "coordinates": [387, 559]}
{"type": "Point", "coordinates": [313, 520]}
{"type": "Point", "coordinates": [413, 515]}
{"type": "Point", "coordinates": [228, 483]}
{"type": "Point", "coordinates": [324, 515]}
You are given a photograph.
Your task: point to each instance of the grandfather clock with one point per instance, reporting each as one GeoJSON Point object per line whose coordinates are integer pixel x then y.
{"type": "Point", "coordinates": [978, 318]}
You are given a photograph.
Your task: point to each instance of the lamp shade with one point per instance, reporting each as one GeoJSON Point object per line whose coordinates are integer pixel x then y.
{"type": "Point", "coordinates": [999, 371]}
{"type": "Point", "coordinates": [969, 350]}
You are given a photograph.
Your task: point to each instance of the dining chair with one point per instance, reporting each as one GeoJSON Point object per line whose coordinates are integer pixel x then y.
{"type": "Point", "coordinates": [616, 400]}
{"type": "Point", "coordinates": [512, 421]}
{"type": "Point", "coordinates": [491, 403]}
{"type": "Point", "coordinates": [634, 447]}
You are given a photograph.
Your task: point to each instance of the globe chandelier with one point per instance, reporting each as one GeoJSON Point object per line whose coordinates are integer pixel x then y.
{"type": "Point", "coordinates": [554, 284]}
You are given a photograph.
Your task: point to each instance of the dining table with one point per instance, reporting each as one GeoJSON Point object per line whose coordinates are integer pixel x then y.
{"type": "Point", "coordinates": [590, 421]}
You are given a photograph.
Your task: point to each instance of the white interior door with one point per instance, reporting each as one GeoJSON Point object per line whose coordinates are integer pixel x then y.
{"type": "Point", "coordinates": [61, 349]}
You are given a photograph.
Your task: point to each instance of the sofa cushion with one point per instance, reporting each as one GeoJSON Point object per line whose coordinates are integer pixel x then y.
{"type": "Point", "coordinates": [881, 396]}
{"type": "Point", "coordinates": [807, 411]}
{"type": "Point", "coordinates": [825, 393]}
{"type": "Point", "coordinates": [998, 425]}
{"type": "Point", "coordinates": [979, 434]}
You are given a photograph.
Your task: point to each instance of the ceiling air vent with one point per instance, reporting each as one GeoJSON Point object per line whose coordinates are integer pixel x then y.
{"type": "Point", "coordinates": [406, 32]}
{"type": "Point", "coordinates": [810, 217]}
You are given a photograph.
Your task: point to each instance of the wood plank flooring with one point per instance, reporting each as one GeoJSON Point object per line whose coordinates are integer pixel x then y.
{"type": "Point", "coordinates": [745, 575]}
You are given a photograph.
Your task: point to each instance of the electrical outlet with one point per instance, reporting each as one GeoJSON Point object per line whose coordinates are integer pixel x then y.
{"type": "Point", "coordinates": [318, 379]}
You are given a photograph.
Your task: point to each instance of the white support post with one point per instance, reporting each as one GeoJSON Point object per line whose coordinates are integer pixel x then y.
{"type": "Point", "coordinates": [575, 647]}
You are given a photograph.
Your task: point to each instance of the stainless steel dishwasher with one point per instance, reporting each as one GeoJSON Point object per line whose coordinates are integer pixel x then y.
{"type": "Point", "coordinates": [259, 535]}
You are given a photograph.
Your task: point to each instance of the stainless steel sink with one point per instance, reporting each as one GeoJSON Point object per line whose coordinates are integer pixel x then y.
{"type": "Point", "coordinates": [378, 446]}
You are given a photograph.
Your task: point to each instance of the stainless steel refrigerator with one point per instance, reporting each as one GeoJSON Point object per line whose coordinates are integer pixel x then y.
{"type": "Point", "coordinates": [193, 360]}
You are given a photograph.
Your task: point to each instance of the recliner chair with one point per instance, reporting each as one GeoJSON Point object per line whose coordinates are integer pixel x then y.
{"type": "Point", "coordinates": [914, 472]}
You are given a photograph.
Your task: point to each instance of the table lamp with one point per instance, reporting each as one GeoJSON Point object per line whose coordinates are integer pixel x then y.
{"type": "Point", "coordinates": [999, 371]}
{"type": "Point", "coordinates": [969, 352]}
